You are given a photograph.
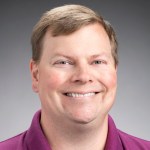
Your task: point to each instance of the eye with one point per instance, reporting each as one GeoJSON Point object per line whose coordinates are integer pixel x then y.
{"type": "Point", "coordinates": [97, 62]}
{"type": "Point", "coordinates": [63, 62]}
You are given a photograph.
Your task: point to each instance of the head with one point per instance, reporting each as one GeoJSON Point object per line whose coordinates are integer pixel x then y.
{"type": "Point", "coordinates": [73, 66]}
{"type": "Point", "coordinates": [66, 20]}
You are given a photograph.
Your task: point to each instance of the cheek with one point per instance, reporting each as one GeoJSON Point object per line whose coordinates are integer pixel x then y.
{"type": "Point", "coordinates": [109, 78]}
{"type": "Point", "coordinates": [52, 79]}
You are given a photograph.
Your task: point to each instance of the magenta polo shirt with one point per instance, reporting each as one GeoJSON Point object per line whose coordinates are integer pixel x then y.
{"type": "Point", "coordinates": [34, 139]}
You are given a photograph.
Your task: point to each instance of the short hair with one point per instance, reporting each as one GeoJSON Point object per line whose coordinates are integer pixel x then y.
{"type": "Point", "coordinates": [65, 20]}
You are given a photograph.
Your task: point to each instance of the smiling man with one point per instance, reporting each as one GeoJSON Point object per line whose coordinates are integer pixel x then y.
{"type": "Point", "coordinates": [74, 72]}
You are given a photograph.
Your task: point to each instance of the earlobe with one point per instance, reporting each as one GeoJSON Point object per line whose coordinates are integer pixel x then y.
{"type": "Point", "coordinates": [34, 75]}
{"type": "Point", "coordinates": [116, 68]}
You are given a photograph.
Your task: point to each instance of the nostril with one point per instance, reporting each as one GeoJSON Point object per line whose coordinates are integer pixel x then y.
{"type": "Point", "coordinates": [82, 74]}
{"type": "Point", "coordinates": [82, 78]}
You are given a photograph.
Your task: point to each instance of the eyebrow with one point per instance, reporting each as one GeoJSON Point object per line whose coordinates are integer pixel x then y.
{"type": "Point", "coordinates": [70, 57]}
{"type": "Point", "coordinates": [99, 55]}
{"type": "Point", "coordinates": [61, 55]}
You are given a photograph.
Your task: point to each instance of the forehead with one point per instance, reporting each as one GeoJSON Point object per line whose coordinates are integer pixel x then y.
{"type": "Point", "coordinates": [87, 39]}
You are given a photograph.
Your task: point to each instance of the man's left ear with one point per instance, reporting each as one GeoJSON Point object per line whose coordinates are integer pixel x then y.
{"type": "Point", "coordinates": [34, 75]}
{"type": "Point", "coordinates": [116, 68]}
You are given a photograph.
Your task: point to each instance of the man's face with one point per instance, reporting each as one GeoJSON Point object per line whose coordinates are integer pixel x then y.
{"type": "Point", "coordinates": [76, 77]}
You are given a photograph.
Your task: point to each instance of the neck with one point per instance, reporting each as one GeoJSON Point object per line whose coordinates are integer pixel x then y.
{"type": "Point", "coordinates": [75, 136]}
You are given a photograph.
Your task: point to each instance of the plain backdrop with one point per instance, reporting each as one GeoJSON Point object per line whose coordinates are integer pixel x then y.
{"type": "Point", "coordinates": [131, 21]}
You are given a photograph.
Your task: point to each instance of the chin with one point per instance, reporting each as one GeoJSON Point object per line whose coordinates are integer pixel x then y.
{"type": "Point", "coordinates": [84, 117]}
{"type": "Point", "coordinates": [84, 121]}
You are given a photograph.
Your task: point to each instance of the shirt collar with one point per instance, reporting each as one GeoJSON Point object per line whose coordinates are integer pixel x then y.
{"type": "Point", "coordinates": [35, 138]}
{"type": "Point", "coordinates": [113, 141]}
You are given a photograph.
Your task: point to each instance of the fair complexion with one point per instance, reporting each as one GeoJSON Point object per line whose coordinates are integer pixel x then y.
{"type": "Point", "coordinates": [76, 82]}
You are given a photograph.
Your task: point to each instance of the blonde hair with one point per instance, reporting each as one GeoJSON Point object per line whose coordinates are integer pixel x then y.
{"type": "Point", "coordinates": [65, 20]}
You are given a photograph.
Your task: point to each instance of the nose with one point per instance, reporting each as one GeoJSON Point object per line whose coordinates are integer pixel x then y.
{"type": "Point", "coordinates": [82, 74]}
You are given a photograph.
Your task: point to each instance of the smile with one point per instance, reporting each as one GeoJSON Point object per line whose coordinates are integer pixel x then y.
{"type": "Point", "coordinates": [78, 95]}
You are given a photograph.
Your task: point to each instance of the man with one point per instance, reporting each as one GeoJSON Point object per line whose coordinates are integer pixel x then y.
{"type": "Point", "coordinates": [74, 71]}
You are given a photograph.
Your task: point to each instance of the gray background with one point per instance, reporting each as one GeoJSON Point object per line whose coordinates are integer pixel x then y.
{"type": "Point", "coordinates": [131, 20]}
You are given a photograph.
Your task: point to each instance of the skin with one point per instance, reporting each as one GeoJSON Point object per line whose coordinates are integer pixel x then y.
{"type": "Point", "coordinates": [71, 67]}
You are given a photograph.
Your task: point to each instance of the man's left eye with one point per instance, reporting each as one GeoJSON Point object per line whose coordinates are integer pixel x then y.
{"type": "Point", "coordinates": [64, 62]}
{"type": "Point", "coordinates": [99, 62]}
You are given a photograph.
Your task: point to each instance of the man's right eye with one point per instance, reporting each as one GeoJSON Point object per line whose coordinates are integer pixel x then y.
{"type": "Point", "coordinates": [63, 62]}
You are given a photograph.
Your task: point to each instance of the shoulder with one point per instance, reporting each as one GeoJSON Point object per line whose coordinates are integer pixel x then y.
{"type": "Point", "coordinates": [12, 143]}
{"type": "Point", "coordinates": [132, 142]}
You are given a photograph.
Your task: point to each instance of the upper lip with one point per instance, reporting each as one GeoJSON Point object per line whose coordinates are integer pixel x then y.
{"type": "Point", "coordinates": [81, 92]}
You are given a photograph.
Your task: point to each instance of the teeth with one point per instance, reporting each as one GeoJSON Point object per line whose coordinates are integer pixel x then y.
{"type": "Point", "coordinates": [80, 95]}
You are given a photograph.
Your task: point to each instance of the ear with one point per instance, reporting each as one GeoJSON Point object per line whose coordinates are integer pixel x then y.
{"type": "Point", "coordinates": [116, 68]}
{"type": "Point", "coordinates": [34, 75]}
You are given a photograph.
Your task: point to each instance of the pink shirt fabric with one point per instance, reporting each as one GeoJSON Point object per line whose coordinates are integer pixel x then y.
{"type": "Point", "coordinates": [34, 139]}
